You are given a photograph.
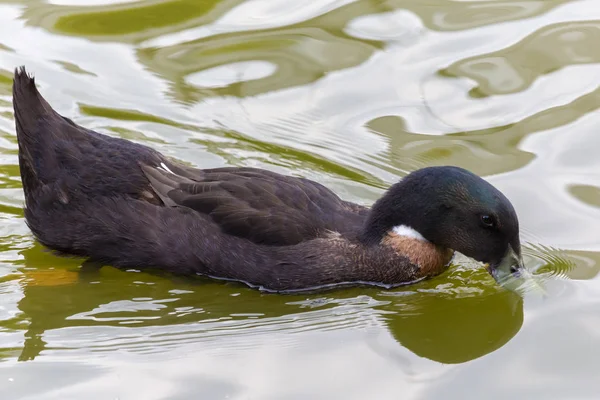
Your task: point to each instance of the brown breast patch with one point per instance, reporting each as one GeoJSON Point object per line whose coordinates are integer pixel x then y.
{"type": "Point", "coordinates": [430, 259]}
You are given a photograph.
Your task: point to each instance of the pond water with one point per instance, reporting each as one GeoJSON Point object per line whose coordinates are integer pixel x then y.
{"type": "Point", "coordinates": [353, 94]}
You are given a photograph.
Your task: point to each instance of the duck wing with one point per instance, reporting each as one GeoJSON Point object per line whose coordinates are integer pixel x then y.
{"type": "Point", "coordinates": [261, 206]}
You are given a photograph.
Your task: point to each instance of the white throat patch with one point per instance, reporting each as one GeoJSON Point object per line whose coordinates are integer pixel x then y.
{"type": "Point", "coordinates": [407, 231]}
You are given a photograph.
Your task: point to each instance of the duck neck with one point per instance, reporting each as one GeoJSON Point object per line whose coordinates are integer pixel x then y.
{"type": "Point", "coordinates": [393, 212]}
{"type": "Point", "coordinates": [374, 233]}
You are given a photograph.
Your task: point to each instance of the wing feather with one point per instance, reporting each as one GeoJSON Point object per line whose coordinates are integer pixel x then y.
{"type": "Point", "coordinates": [259, 205]}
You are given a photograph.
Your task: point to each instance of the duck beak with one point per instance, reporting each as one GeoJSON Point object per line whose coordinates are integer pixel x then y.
{"type": "Point", "coordinates": [511, 265]}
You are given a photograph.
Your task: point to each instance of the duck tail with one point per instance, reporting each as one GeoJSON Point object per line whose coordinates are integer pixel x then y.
{"type": "Point", "coordinates": [38, 126]}
{"type": "Point", "coordinates": [29, 108]}
{"type": "Point", "coordinates": [26, 102]}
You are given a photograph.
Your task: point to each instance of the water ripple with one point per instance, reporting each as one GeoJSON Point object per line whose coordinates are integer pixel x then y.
{"type": "Point", "coordinates": [353, 94]}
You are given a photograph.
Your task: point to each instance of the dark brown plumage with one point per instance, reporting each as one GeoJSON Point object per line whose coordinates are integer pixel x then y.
{"type": "Point", "coordinates": [124, 204]}
{"type": "Point", "coordinates": [262, 206]}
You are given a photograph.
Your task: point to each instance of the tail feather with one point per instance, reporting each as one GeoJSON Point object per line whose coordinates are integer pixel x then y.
{"type": "Point", "coordinates": [28, 108]}
{"type": "Point", "coordinates": [39, 131]}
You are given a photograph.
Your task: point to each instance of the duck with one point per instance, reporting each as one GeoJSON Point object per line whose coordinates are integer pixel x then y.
{"type": "Point", "coordinates": [123, 204]}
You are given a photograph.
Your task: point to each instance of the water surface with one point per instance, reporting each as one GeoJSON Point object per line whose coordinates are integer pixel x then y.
{"type": "Point", "coordinates": [354, 94]}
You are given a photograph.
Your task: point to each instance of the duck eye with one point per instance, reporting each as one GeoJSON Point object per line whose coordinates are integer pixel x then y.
{"type": "Point", "coordinates": [487, 220]}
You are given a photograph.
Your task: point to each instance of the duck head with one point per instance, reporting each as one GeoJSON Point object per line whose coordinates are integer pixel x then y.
{"type": "Point", "coordinates": [453, 208]}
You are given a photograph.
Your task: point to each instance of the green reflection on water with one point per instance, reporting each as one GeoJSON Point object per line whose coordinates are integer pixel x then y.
{"type": "Point", "coordinates": [455, 319]}
{"type": "Point", "coordinates": [140, 17]}
{"type": "Point", "coordinates": [122, 19]}
{"type": "Point", "coordinates": [302, 53]}
{"type": "Point", "coordinates": [586, 193]}
{"type": "Point", "coordinates": [514, 69]}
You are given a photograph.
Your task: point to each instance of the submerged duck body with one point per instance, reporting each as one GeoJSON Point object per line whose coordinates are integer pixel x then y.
{"type": "Point", "coordinates": [123, 204]}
